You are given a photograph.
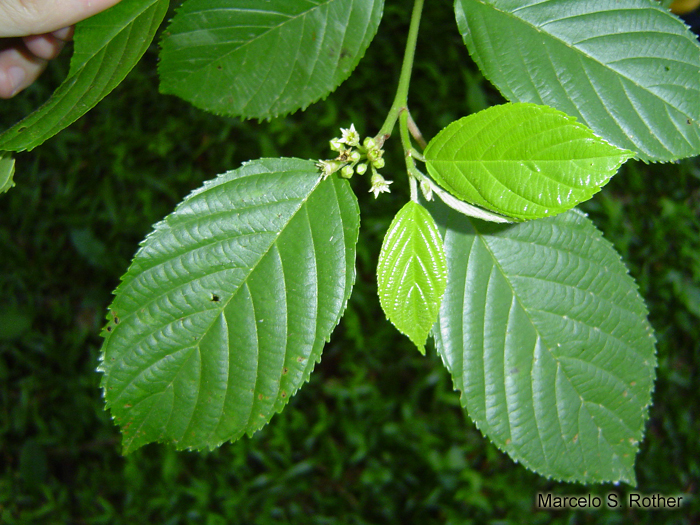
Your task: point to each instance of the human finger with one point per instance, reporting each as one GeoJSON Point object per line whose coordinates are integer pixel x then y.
{"type": "Point", "coordinates": [65, 33]}
{"type": "Point", "coordinates": [35, 17]}
{"type": "Point", "coordinates": [18, 69]}
{"type": "Point", "coordinates": [45, 46]}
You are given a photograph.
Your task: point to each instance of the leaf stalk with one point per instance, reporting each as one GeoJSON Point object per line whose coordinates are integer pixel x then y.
{"type": "Point", "coordinates": [401, 99]}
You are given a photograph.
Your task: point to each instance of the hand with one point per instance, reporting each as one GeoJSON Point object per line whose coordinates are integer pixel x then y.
{"type": "Point", "coordinates": [44, 27]}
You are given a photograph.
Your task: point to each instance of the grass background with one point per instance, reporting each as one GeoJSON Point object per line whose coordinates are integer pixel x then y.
{"type": "Point", "coordinates": [377, 437]}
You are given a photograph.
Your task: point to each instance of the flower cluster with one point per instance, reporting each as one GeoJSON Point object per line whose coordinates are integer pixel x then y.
{"type": "Point", "coordinates": [354, 157]}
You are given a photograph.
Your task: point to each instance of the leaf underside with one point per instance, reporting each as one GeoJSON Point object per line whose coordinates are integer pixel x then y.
{"type": "Point", "coordinates": [107, 46]}
{"type": "Point", "coordinates": [228, 303]}
{"type": "Point", "coordinates": [628, 69]}
{"type": "Point", "coordinates": [545, 335]}
{"type": "Point", "coordinates": [411, 273]}
{"type": "Point", "coordinates": [522, 160]}
{"type": "Point", "coordinates": [264, 59]}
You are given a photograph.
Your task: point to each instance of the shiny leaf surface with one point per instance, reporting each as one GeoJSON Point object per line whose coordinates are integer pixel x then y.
{"type": "Point", "coordinates": [411, 274]}
{"type": "Point", "coordinates": [628, 69]}
{"type": "Point", "coordinates": [226, 307]}
{"type": "Point", "coordinates": [546, 337]}
{"type": "Point", "coordinates": [522, 160]}
{"type": "Point", "coordinates": [264, 59]}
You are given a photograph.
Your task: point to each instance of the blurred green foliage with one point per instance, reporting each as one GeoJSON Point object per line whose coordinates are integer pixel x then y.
{"type": "Point", "coordinates": [377, 437]}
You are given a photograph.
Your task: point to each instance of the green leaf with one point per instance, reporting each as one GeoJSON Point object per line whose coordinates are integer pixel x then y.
{"type": "Point", "coordinates": [264, 59]}
{"type": "Point", "coordinates": [546, 337]}
{"type": "Point", "coordinates": [411, 274]}
{"type": "Point", "coordinates": [7, 171]}
{"type": "Point", "coordinates": [522, 160]}
{"type": "Point", "coordinates": [107, 47]}
{"type": "Point", "coordinates": [628, 69]}
{"type": "Point", "coordinates": [226, 307]}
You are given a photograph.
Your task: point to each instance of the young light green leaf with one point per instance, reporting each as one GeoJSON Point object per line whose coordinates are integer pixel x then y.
{"type": "Point", "coordinates": [546, 337]}
{"type": "Point", "coordinates": [264, 59]}
{"type": "Point", "coordinates": [7, 171]}
{"type": "Point", "coordinates": [411, 274]}
{"type": "Point", "coordinates": [107, 47]}
{"type": "Point", "coordinates": [522, 160]}
{"type": "Point", "coordinates": [227, 305]}
{"type": "Point", "coordinates": [629, 69]}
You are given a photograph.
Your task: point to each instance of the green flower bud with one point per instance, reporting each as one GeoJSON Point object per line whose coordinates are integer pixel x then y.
{"type": "Point", "coordinates": [361, 168]}
{"type": "Point", "coordinates": [374, 153]}
{"type": "Point", "coordinates": [347, 172]}
{"type": "Point", "coordinates": [369, 143]}
{"type": "Point", "coordinates": [378, 163]}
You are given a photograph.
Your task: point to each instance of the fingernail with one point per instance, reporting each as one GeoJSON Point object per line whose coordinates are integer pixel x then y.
{"type": "Point", "coordinates": [16, 75]}
{"type": "Point", "coordinates": [65, 34]}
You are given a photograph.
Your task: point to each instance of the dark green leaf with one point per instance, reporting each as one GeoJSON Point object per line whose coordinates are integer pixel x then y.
{"type": "Point", "coordinates": [545, 335]}
{"type": "Point", "coordinates": [107, 47]}
{"type": "Point", "coordinates": [628, 69]}
{"type": "Point", "coordinates": [227, 305]}
{"type": "Point", "coordinates": [264, 59]}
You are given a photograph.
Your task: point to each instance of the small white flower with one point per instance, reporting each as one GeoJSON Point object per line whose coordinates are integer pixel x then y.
{"type": "Point", "coordinates": [379, 185]}
{"type": "Point", "coordinates": [350, 136]}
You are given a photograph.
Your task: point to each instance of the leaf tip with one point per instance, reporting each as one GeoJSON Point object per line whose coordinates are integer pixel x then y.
{"type": "Point", "coordinates": [420, 347]}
